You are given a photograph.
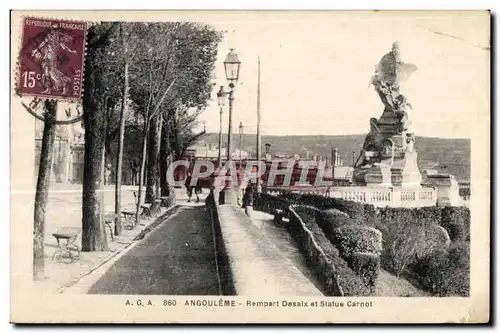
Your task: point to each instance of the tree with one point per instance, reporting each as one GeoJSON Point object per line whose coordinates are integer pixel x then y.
{"type": "Point", "coordinates": [177, 135]}
{"type": "Point", "coordinates": [155, 66]}
{"type": "Point", "coordinates": [119, 157]}
{"type": "Point", "coordinates": [196, 53]}
{"type": "Point", "coordinates": [42, 188]}
{"type": "Point", "coordinates": [152, 81]}
{"type": "Point", "coordinates": [94, 110]}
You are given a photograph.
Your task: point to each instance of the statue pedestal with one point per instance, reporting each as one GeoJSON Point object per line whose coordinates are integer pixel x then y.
{"type": "Point", "coordinates": [378, 175]}
{"type": "Point", "coordinates": [405, 172]}
{"type": "Point", "coordinates": [448, 190]}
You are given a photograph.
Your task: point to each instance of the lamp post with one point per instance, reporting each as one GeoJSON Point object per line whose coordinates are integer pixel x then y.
{"type": "Point", "coordinates": [232, 68]}
{"type": "Point", "coordinates": [241, 141]}
{"type": "Point", "coordinates": [221, 99]}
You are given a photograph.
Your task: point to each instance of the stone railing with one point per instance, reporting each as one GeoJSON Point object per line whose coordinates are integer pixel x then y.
{"type": "Point", "coordinates": [464, 190]}
{"type": "Point", "coordinates": [377, 196]}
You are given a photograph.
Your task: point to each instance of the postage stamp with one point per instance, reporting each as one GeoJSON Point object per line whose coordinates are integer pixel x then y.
{"type": "Point", "coordinates": [251, 167]}
{"type": "Point", "coordinates": [51, 58]}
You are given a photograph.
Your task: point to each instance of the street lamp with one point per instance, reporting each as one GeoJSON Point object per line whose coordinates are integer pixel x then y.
{"type": "Point", "coordinates": [241, 133]}
{"type": "Point", "coordinates": [232, 68]}
{"type": "Point", "coordinates": [221, 99]}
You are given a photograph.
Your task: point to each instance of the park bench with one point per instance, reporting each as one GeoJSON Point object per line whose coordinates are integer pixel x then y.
{"type": "Point", "coordinates": [164, 201]}
{"type": "Point", "coordinates": [109, 219]}
{"type": "Point", "coordinates": [146, 210]}
{"type": "Point", "coordinates": [128, 219]}
{"type": "Point", "coordinates": [158, 203]}
{"type": "Point", "coordinates": [279, 214]}
{"type": "Point", "coordinates": [66, 246]}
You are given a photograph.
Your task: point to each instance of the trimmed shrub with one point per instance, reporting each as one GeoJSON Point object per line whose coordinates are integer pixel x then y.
{"type": "Point", "coordinates": [409, 235]}
{"type": "Point", "coordinates": [350, 236]}
{"type": "Point", "coordinates": [367, 265]}
{"type": "Point", "coordinates": [405, 241]}
{"type": "Point", "coordinates": [445, 272]}
{"type": "Point", "coordinates": [333, 213]}
{"type": "Point", "coordinates": [353, 209]}
{"type": "Point", "coordinates": [350, 282]}
{"type": "Point", "coordinates": [459, 269]}
{"type": "Point", "coordinates": [351, 239]}
{"type": "Point", "coordinates": [437, 234]}
{"type": "Point", "coordinates": [456, 220]}
{"type": "Point", "coordinates": [331, 219]}
{"type": "Point", "coordinates": [266, 203]}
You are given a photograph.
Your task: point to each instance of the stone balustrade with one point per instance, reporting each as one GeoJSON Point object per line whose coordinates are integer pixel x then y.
{"type": "Point", "coordinates": [464, 190]}
{"type": "Point", "coordinates": [379, 197]}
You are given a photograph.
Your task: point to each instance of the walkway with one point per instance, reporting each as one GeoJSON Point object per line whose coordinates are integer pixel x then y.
{"type": "Point", "coordinates": [281, 239]}
{"type": "Point", "coordinates": [176, 259]}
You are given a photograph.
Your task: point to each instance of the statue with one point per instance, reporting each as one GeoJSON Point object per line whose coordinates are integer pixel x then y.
{"type": "Point", "coordinates": [389, 73]}
{"type": "Point", "coordinates": [388, 157]}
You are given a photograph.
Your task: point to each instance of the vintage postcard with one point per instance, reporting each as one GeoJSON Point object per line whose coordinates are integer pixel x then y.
{"type": "Point", "coordinates": [250, 167]}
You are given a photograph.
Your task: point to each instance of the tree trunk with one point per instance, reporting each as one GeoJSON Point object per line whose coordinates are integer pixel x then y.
{"type": "Point", "coordinates": [164, 161]}
{"type": "Point", "coordinates": [42, 188]}
{"type": "Point", "coordinates": [158, 156]}
{"type": "Point", "coordinates": [152, 166]}
{"type": "Point", "coordinates": [93, 233]}
{"type": "Point", "coordinates": [94, 116]}
{"type": "Point", "coordinates": [153, 172]}
{"type": "Point", "coordinates": [102, 186]}
{"type": "Point", "coordinates": [119, 158]}
{"type": "Point", "coordinates": [141, 171]}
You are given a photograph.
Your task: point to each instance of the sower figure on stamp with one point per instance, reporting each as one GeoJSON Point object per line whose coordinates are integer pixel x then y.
{"type": "Point", "coordinates": [47, 54]}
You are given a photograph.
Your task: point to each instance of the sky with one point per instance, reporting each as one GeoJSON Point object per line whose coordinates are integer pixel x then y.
{"type": "Point", "coordinates": [316, 67]}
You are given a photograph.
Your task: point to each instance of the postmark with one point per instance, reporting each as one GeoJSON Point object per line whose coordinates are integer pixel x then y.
{"type": "Point", "coordinates": [51, 59]}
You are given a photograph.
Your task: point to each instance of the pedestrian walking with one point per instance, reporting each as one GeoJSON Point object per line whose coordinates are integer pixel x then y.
{"type": "Point", "coordinates": [248, 199]}
{"type": "Point", "coordinates": [189, 188]}
{"type": "Point", "coordinates": [197, 191]}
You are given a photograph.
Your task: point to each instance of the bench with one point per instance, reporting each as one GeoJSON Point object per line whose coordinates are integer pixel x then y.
{"type": "Point", "coordinates": [156, 208]}
{"type": "Point", "coordinates": [128, 220]}
{"type": "Point", "coordinates": [109, 219]}
{"type": "Point", "coordinates": [146, 210]}
{"type": "Point", "coordinates": [164, 201]}
{"type": "Point", "coordinates": [67, 248]}
{"type": "Point", "coordinates": [279, 214]}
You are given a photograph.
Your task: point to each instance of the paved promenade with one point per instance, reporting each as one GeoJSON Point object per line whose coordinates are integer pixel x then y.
{"type": "Point", "coordinates": [177, 259]}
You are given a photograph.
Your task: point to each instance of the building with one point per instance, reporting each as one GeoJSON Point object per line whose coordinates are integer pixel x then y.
{"type": "Point", "coordinates": [68, 153]}
{"type": "Point", "coordinates": [210, 151]}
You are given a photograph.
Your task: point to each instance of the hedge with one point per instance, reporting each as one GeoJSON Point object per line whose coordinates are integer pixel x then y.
{"type": "Point", "coordinates": [267, 203]}
{"type": "Point", "coordinates": [351, 239]}
{"type": "Point", "coordinates": [350, 236]}
{"type": "Point", "coordinates": [406, 240]}
{"type": "Point", "coordinates": [330, 219]}
{"type": "Point", "coordinates": [445, 272]}
{"type": "Point", "coordinates": [456, 220]}
{"type": "Point", "coordinates": [409, 234]}
{"type": "Point", "coordinates": [351, 283]}
{"type": "Point", "coordinates": [367, 265]}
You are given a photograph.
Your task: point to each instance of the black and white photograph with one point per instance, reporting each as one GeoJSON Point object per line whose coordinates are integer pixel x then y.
{"type": "Point", "coordinates": [317, 162]}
